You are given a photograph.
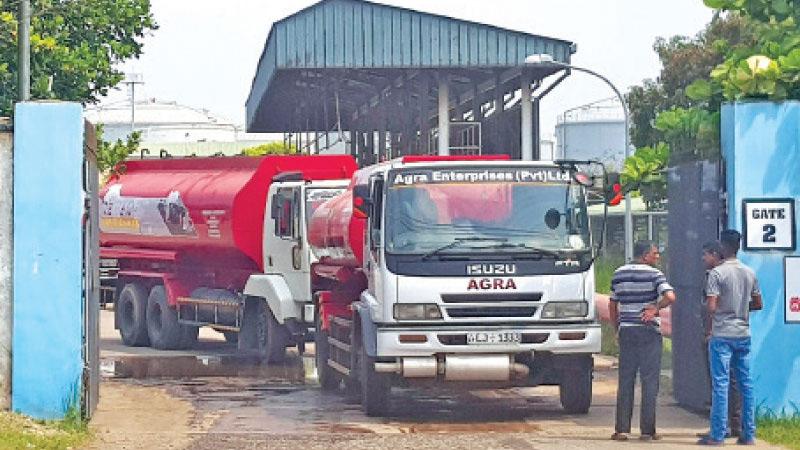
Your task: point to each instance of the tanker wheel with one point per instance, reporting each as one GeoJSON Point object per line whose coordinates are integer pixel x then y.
{"type": "Point", "coordinates": [162, 321]}
{"type": "Point", "coordinates": [328, 378]}
{"type": "Point", "coordinates": [375, 387]}
{"type": "Point", "coordinates": [131, 310]}
{"type": "Point", "coordinates": [575, 389]}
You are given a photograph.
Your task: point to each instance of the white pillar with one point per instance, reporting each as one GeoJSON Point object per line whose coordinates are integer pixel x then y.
{"type": "Point", "coordinates": [444, 116]}
{"type": "Point", "coordinates": [526, 127]}
{"type": "Point", "coordinates": [6, 259]}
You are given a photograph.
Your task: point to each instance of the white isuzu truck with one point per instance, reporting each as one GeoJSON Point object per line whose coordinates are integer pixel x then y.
{"type": "Point", "coordinates": [457, 270]}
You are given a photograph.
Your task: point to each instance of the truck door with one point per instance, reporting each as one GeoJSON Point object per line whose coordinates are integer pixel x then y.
{"type": "Point", "coordinates": [283, 249]}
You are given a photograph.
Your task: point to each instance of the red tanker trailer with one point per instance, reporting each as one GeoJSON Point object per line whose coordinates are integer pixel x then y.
{"type": "Point", "coordinates": [216, 242]}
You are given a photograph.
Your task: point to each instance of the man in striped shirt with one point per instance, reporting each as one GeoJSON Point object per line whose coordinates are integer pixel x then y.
{"type": "Point", "coordinates": [638, 292]}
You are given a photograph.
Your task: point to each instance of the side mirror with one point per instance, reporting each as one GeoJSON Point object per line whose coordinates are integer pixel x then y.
{"type": "Point", "coordinates": [552, 218]}
{"type": "Point", "coordinates": [361, 201]}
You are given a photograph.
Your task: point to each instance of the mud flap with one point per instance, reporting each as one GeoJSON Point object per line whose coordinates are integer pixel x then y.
{"type": "Point", "coordinates": [369, 332]}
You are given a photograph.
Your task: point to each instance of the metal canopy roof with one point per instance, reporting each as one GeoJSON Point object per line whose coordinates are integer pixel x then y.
{"type": "Point", "coordinates": [333, 59]}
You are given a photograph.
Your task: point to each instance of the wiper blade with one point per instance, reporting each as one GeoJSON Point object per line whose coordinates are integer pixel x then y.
{"type": "Point", "coordinates": [458, 241]}
{"type": "Point", "coordinates": [531, 249]}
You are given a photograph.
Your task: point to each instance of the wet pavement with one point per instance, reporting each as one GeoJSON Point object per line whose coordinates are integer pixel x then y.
{"type": "Point", "coordinates": [236, 403]}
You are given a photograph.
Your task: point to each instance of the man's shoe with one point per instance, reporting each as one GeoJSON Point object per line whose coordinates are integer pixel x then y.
{"type": "Point", "coordinates": [650, 437]}
{"type": "Point", "coordinates": [741, 441]}
{"type": "Point", "coordinates": [708, 441]}
{"type": "Point", "coordinates": [617, 436]}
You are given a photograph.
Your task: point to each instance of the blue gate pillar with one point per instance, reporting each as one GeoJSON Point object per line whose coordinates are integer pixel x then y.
{"type": "Point", "coordinates": [761, 148]}
{"type": "Point", "coordinates": [47, 338]}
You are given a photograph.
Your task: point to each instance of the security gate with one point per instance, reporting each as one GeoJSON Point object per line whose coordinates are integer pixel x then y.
{"type": "Point", "coordinates": [695, 215]}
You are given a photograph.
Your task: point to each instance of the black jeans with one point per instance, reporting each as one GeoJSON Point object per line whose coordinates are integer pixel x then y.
{"type": "Point", "coordinates": [639, 351]}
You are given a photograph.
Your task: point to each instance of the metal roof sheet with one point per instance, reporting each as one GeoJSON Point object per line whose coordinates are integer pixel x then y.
{"type": "Point", "coordinates": [357, 34]}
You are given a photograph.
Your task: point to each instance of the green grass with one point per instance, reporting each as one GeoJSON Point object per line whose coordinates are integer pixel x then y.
{"type": "Point", "coordinates": [604, 269]}
{"type": "Point", "coordinates": [19, 432]}
{"type": "Point", "coordinates": [784, 431]}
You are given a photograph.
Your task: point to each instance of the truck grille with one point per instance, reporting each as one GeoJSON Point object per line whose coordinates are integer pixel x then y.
{"type": "Point", "coordinates": [492, 298]}
{"type": "Point", "coordinates": [491, 311]}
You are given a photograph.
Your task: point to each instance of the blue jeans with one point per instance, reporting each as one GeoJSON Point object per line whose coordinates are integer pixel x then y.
{"type": "Point", "coordinates": [726, 355]}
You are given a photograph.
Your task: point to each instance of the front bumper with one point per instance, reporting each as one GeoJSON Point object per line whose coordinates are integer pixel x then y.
{"type": "Point", "coordinates": [557, 339]}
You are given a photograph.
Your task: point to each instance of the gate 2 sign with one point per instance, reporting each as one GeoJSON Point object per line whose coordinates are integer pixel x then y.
{"type": "Point", "coordinates": [768, 224]}
{"type": "Point", "coordinates": [791, 269]}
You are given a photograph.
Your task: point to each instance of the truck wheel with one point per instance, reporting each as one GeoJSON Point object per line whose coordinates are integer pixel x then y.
{"type": "Point", "coordinates": [375, 387]}
{"type": "Point", "coordinates": [132, 315]}
{"type": "Point", "coordinates": [575, 389]}
{"type": "Point", "coordinates": [328, 378]}
{"type": "Point", "coordinates": [262, 332]}
{"type": "Point", "coordinates": [162, 321]}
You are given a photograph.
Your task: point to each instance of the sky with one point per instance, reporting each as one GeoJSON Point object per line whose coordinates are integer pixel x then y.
{"type": "Point", "coordinates": [205, 52]}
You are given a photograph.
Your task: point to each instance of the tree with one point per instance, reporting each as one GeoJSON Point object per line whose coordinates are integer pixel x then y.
{"type": "Point", "coordinates": [270, 148]}
{"type": "Point", "coordinates": [76, 47]}
{"type": "Point", "coordinates": [111, 154]}
{"type": "Point", "coordinates": [684, 60]}
{"type": "Point", "coordinates": [768, 67]}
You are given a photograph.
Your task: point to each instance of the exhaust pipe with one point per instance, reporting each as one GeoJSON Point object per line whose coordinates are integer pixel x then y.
{"type": "Point", "coordinates": [457, 367]}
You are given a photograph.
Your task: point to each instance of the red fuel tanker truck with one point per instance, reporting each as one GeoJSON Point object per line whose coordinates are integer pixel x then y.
{"type": "Point", "coordinates": [456, 270]}
{"type": "Point", "coordinates": [218, 242]}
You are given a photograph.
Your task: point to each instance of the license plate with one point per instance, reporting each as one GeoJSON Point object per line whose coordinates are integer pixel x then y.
{"type": "Point", "coordinates": [493, 337]}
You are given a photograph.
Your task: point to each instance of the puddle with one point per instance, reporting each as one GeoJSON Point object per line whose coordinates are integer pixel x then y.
{"type": "Point", "coordinates": [293, 370]}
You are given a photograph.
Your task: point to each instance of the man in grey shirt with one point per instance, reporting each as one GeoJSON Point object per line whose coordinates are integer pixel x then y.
{"type": "Point", "coordinates": [731, 292]}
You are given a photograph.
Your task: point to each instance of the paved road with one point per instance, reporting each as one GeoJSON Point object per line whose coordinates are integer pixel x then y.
{"type": "Point", "coordinates": [282, 408]}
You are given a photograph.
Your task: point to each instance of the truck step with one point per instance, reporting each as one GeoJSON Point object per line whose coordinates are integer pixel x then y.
{"type": "Point", "coordinates": [207, 324]}
{"type": "Point", "coordinates": [339, 368]}
{"type": "Point", "coordinates": [339, 344]}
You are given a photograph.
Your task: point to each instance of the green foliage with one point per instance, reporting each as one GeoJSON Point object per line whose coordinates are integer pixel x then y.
{"type": "Point", "coordinates": [769, 67]}
{"type": "Point", "coordinates": [684, 60]}
{"type": "Point", "coordinates": [692, 133]}
{"type": "Point", "coordinates": [110, 154]}
{"type": "Point", "coordinates": [644, 171]}
{"type": "Point", "coordinates": [76, 46]}
{"type": "Point", "coordinates": [270, 148]}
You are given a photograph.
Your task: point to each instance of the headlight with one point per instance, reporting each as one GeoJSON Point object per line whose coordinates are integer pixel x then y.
{"type": "Point", "coordinates": [416, 311]}
{"type": "Point", "coordinates": [565, 310]}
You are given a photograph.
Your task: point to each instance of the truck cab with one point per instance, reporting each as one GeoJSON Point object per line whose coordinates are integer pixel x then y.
{"type": "Point", "coordinates": [286, 283]}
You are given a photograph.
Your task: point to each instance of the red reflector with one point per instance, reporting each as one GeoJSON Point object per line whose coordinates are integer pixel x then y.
{"type": "Point", "coordinates": [617, 188]}
{"type": "Point", "coordinates": [616, 200]}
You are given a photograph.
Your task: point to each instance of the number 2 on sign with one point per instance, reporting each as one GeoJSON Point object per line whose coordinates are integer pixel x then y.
{"type": "Point", "coordinates": [769, 233]}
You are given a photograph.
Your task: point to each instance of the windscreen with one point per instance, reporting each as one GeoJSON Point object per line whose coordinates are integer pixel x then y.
{"type": "Point", "coordinates": [485, 210]}
{"type": "Point", "coordinates": [316, 197]}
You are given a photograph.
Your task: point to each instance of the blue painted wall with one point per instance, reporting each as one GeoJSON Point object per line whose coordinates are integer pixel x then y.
{"type": "Point", "coordinates": [761, 146]}
{"type": "Point", "coordinates": [48, 207]}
